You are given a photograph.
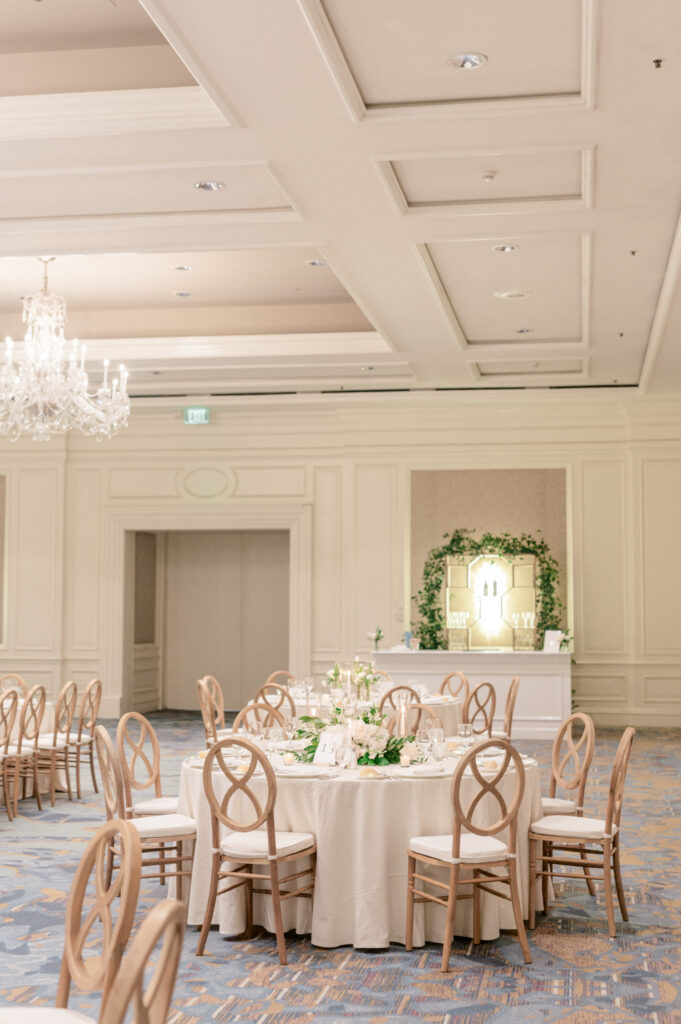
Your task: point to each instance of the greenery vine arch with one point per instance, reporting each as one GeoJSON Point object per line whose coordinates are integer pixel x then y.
{"type": "Point", "coordinates": [431, 625]}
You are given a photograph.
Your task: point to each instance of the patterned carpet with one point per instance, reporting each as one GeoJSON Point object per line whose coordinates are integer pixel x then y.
{"type": "Point", "coordinates": [579, 974]}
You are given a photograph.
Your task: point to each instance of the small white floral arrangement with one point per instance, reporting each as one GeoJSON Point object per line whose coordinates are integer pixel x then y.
{"type": "Point", "coordinates": [363, 677]}
{"type": "Point", "coordinates": [376, 637]}
{"type": "Point", "coordinates": [372, 741]}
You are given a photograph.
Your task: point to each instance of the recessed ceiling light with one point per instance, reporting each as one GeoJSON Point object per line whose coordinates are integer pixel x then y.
{"type": "Point", "coordinates": [316, 263]}
{"type": "Point", "coordinates": [183, 295]}
{"type": "Point", "coordinates": [467, 61]}
{"type": "Point", "coordinates": [489, 176]}
{"type": "Point", "coordinates": [511, 295]}
{"type": "Point", "coordinates": [183, 267]}
{"type": "Point", "coordinates": [525, 330]}
{"type": "Point", "coordinates": [505, 247]}
{"type": "Point", "coordinates": [209, 186]}
{"type": "Point", "coordinates": [366, 369]}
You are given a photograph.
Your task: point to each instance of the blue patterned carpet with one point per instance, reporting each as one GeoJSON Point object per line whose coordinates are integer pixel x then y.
{"type": "Point", "coordinates": [579, 974]}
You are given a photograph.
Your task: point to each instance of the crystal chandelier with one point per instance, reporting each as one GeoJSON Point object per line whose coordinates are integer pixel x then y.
{"type": "Point", "coordinates": [47, 391]}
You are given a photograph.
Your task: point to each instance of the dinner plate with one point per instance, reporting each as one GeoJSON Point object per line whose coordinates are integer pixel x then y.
{"type": "Point", "coordinates": [303, 771]}
{"type": "Point", "coordinates": [419, 772]}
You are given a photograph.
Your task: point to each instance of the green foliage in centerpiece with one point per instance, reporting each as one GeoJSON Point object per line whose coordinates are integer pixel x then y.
{"type": "Point", "coordinates": [431, 629]}
{"type": "Point", "coordinates": [372, 741]}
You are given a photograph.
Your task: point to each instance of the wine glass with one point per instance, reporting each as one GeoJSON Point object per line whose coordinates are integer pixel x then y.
{"type": "Point", "coordinates": [422, 744]}
{"type": "Point", "coordinates": [465, 734]}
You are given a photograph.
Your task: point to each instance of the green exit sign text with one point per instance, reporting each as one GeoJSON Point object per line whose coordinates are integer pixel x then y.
{"type": "Point", "coordinates": [196, 415]}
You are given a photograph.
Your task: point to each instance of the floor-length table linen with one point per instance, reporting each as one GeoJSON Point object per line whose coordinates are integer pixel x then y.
{"type": "Point", "coordinates": [362, 828]}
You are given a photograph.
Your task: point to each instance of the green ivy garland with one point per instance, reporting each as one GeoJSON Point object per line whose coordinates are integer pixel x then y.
{"type": "Point", "coordinates": [431, 628]}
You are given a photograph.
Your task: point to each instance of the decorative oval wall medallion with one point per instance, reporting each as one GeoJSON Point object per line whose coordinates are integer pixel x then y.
{"type": "Point", "coordinates": [208, 482]}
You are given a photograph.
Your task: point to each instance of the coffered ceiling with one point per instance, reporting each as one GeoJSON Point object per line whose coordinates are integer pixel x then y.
{"type": "Point", "coordinates": [371, 215]}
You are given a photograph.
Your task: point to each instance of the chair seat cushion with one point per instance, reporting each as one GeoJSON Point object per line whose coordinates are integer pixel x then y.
{"type": "Point", "coordinates": [499, 734]}
{"type": "Point", "coordinates": [557, 805]}
{"type": "Point", "coordinates": [45, 741]}
{"type": "Point", "coordinates": [156, 805]}
{"type": "Point", "coordinates": [569, 827]}
{"type": "Point", "coordinates": [245, 846]}
{"type": "Point", "coordinates": [474, 848]}
{"type": "Point", "coordinates": [26, 751]}
{"type": "Point", "coordinates": [42, 1015]}
{"type": "Point", "coordinates": [164, 826]}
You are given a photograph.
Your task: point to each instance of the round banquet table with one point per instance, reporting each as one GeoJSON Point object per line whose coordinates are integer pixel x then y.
{"type": "Point", "coordinates": [362, 828]}
{"type": "Point", "coordinates": [448, 708]}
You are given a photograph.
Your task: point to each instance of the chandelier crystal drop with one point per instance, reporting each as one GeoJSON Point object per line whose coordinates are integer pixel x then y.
{"type": "Point", "coordinates": [47, 391]}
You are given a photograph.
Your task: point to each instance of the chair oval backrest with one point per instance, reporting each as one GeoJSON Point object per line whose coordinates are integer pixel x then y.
{"type": "Point", "coordinates": [287, 678]}
{"type": "Point", "coordinates": [31, 718]}
{"type": "Point", "coordinates": [110, 909]}
{"type": "Point", "coordinates": [215, 691]}
{"type": "Point", "coordinates": [8, 713]}
{"type": "Point", "coordinates": [277, 697]}
{"type": "Point", "coordinates": [570, 767]}
{"type": "Point", "coordinates": [11, 681]}
{"type": "Point", "coordinates": [456, 685]}
{"type": "Point", "coordinates": [415, 716]}
{"type": "Point", "coordinates": [65, 710]}
{"type": "Point", "coordinates": [256, 717]}
{"type": "Point", "coordinates": [397, 695]}
{"type": "Point", "coordinates": [151, 1002]}
{"type": "Point", "coordinates": [487, 791]}
{"type": "Point", "coordinates": [617, 777]}
{"type": "Point", "coordinates": [385, 675]}
{"type": "Point", "coordinates": [209, 712]}
{"type": "Point", "coordinates": [112, 777]}
{"type": "Point", "coordinates": [510, 705]}
{"type": "Point", "coordinates": [478, 709]}
{"type": "Point", "coordinates": [89, 708]}
{"type": "Point", "coordinates": [140, 768]}
{"type": "Point", "coordinates": [250, 758]}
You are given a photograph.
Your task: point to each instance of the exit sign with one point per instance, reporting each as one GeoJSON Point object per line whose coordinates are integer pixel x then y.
{"type": "Point", "coordinates": [196, 415]}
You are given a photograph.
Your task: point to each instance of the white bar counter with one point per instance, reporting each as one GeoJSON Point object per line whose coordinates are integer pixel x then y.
{"type": "Point", "coordinates": [545, 681]}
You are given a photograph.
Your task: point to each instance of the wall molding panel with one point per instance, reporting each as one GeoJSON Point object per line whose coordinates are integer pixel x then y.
{"type": "Point", "coordinates": [335, 473]}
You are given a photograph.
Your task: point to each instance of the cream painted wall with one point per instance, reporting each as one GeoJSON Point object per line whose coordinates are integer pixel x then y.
{"type": "Point", "coordinates": [336, 475]}
{"type": "Point", "coordinates": [226, 612]}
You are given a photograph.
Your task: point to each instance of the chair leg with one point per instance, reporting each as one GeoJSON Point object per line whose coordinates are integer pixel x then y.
{"type": "Point", "coordinates": [249, 905]}
{"type": "Point", "coordinates": [477, 932]}
{"type": "Point", "coordinates": [6, 789]}
{"type": "Point", "coordinates": [449, 922]}
{"type": "Point", "coordinates": [517, 910]}
{"type": "Point", "coordinates": [546, 852]}
{"type": "Point", "coordinates": [91, 751]}
{"type": "Point", "coordinates": [162, 865]}
{"type": "Point", "coordinates": [16, 787]}
{"type": "Point", "coordinates": [409, 937]}
{"type": "Point", "coordinates": [618, 884]}
{"type": "Point", "coordinates": [607, 882]}
{"type": "Point", "coordinates": [534, 862]}
{"type": "Point", "coordinates": [180, 866]}
{"type": "Point", "coordinates": [67, 773]}
{"type": "Point", "coordinates": [78, 770]}
{"type": "Point", "coordinates": [210, 905]}
{"type": "Point", "coordinates": [589, 880]}
{"type": "Point", "coordinates": [53, 776]}
{"type": "Point", "coordinates": [35, 783]}
{"type": "Point", "coordinates": [276, 906]}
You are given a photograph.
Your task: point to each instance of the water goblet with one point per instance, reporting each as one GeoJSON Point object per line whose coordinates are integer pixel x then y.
{"type": "Point", "coordinates": [465, 734]}
{"type": "Point", "coordinates": [422, 744]}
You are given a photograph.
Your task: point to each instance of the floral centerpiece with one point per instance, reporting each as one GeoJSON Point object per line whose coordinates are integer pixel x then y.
{"type": "Point", "coordinates": [361, 674]}
{"type": "Point", "coordinates": [370, 737]}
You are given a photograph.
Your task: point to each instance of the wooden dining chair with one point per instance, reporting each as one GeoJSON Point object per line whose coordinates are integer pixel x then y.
{"type": "Point", "coordinates": [505, 732]}
{"type": "Point", "coordinates": [248, 840]}
{"type": "Point", "coordinates": [416, 716]}
{"type": "Point", "coordinates": [282, 677]}
{"type": "Point", "coordinates": [146, 979]}
{"type": "Point", "coordinates": [21, 759]}
{"type": "Point", "coordinates": [401, 694]}
{"type": "Point", "coordinates": [586, 844]}
{"type": "Point", "coordinates": [472, 852]}
{"type": "Point", "coordinates": [163, 837]}
{"type": "Point", "coordinates": [478, 709]}
{"type": "Point", "coordinates": [53, 749]}
{"type": "Point", "coordinates": [210, 712]}
{"type": "Point", "coordinates": [139, 756]}
{"type": "Point", "coordinates": [455, 685]}
{"type": "Point", "coordinates": [278, 697]}
{"type": "Point", "coordinates": [11, 681]}
{"type": "Point", "coordinates": [215, 690]}
{"type": "Point", "coordinates": [256, 717]}
{"type": "Point", "coordinates": [8, 714]}
{"type": "Point", "coordinates": [384, 675]}
{"type": "Point", "coordinates": [82, 747]}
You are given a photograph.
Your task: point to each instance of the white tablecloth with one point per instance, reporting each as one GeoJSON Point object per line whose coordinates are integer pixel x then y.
{"type": "Point", "coordinates": [362, 828]}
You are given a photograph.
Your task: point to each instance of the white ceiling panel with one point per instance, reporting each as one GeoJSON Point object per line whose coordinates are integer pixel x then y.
{"type": "Point", "coordinates": [29, 27]}
{"type": "Point", "coordinates": [399, 50]}
{"type": "Point", "coordinates": [533, 293]}
{"type": "Point", "coordinates": [546, 368]}
{"type": "Point", "coordinates": [490, 177]}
